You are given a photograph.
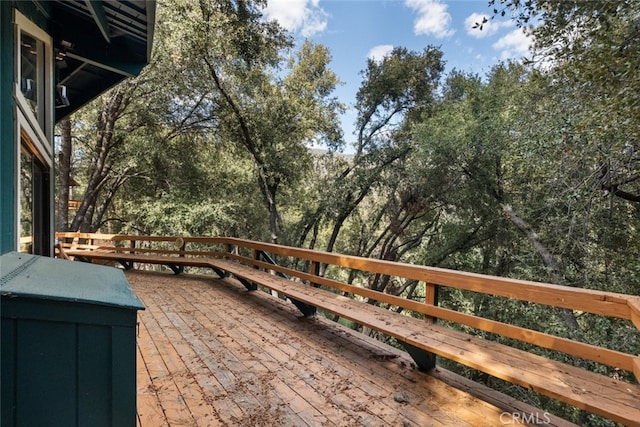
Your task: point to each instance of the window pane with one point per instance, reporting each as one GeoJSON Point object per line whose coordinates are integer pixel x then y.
{"type": "Point", "coordinates": [35, 204]}
{"type": "Point", "coordinates": [26, 202]}
{"type": "Point", "coordinates": [32, 74]}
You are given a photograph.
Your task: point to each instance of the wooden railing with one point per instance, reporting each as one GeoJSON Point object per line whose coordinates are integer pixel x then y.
{"type": "Point", "coordinates": [247, 252]}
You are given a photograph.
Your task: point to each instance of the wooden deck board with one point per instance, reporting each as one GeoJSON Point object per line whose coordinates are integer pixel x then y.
{"type": "Point", "coordinates": [212, 353]}
{"type": "Point", "coordinates": [276, 356]}
{"type": "Point", "coordinates": [306, 358]}
{"type": "Point", "coordinates": [250, 366]}
{"type": "Point", "coordinates": [149, 407]}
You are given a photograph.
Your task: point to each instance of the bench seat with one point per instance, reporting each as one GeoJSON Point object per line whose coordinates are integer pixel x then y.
{"type": "Point", "coordinates": [599, 394]}
{"type": "Point", "coordinates": [176, 263]}
{"type": "Point", "coordinates": [617, 400]}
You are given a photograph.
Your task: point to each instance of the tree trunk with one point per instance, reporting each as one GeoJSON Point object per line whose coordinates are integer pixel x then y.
{"type": "Point", "coordinates": [101, 165]}
{"type": "Point", "coordinates": [547, 258]}
{"type": "Point", "coordinates": [64, 175]}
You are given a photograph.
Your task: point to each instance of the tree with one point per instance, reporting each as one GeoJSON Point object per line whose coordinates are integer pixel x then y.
{"type": "Point", "coordinates": [395, 91]}
{"type": "Point", "coordinates": [111, 121]}
{"type": "Point", "coordinates": [591, 52]}
{"type": "Point", "coordinates": [273, 115]}
{"type": "Point", "coordinates": [64, 175]}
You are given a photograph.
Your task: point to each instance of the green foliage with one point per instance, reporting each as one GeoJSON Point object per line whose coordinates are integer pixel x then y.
{"type": "Point", "coordinates": [532, 171]}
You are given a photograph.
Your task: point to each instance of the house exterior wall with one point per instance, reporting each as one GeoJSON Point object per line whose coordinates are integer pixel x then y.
{"type": "Point", "coordinates": [91, 58]}
{"type": "Point", "coordinates": [8, 138]}
{"type": "Point", "coordinates": [67, 359]}
{"type": "Point", "coordinates": [37, 13]}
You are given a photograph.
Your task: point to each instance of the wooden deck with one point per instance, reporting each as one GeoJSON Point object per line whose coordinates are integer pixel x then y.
{"type": "Point", "coordinates": [211, 353]}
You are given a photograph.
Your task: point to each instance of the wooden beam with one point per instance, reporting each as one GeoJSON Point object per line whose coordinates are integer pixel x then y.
{"type": "Point", "coordinates": [99, 16]}
{"type": "Point", "coordinates": [597, 354]}
{"type": "Point", "coordinates": [634, 307]}
{"type": "Point", "coordinates": [573, 298]}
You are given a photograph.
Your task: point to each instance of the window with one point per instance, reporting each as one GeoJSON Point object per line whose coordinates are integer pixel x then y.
{"type": "Point", "coordinates": [34, 85]}
{"type": "Point", "coordinates": [35, 208]}
{"type": "Point", "coordinates": [32, 76]}
{"type": "Point", "coordinates": [34, 112]}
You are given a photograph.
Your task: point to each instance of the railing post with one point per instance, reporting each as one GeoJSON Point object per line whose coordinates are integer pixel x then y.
{"type": "Point", "coordinates": [256, 256]}
{"type": "Point", "coordinates": [431, 297]}
{"type": "Point", "coordinates": [634, 308]}
{"type": "Point", "coordinates": [230, 248]}
{"type": "Point", "coordinates": [425, 361]}
{"type": "Point", "coordinates": [314, 269]}
{"type": "Point", "coordinates": [180, 244]}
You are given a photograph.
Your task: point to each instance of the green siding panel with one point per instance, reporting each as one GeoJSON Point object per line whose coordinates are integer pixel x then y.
{"type": "Point", "coordinates": [8, 138]}
{"type": "Point", "coordinates": [94, 375]}
{"type": "Point", "coordinates": [124, 376]}
{"type": "Point", "coordinates": [45, 374]}
{"type": "Point", "coordinates": [8, 373]}
{"type": "Point", "coordinates": [67, 374]}
{"type": "Point", "coordinates": [68, 344]}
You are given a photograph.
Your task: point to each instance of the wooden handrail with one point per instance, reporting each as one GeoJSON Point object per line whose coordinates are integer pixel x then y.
{"type": "Point", "coordinates": [602, 355]}
{"type": "Point", "coordinates": [88, 236]}
{"type": "Point", "coordinates": [585, 300]}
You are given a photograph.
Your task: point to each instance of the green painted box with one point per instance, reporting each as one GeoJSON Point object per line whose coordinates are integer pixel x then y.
{"type": "Point", "coordinates": [68, 344]}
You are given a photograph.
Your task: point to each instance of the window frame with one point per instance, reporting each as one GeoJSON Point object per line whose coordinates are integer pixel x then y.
{"type": "Point", "coordinates": [35, 136]}
{"type": "Point", "coordinates": [43, 131]}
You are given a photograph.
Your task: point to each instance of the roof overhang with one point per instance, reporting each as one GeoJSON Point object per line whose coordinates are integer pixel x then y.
{"type": "Point", "coordinates": [98, 43]}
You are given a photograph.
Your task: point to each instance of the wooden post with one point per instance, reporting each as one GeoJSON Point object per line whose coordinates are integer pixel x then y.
{"type": "Point", "coordinates": [314, 269]}
{"type": "Point", "coordinates": [425, 360]}
{"type": "Point", "coordinates": [634, 309]}
{"type": "Point", "coordinates": [229, 248]}
{"type": "Point", "coordinates": [256, 256]}
{"type": "Point", "coordinates": [431, 297]}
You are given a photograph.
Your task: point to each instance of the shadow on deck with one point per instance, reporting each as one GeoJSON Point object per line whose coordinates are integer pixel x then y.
{"type": "Point", "coordinates": [211, 353]}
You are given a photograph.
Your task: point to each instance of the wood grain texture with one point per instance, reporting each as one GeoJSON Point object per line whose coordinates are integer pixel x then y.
{"type": "Point", "coordinates": [210, 350]}
{"type": "Point", "coordinates": [593, 392]}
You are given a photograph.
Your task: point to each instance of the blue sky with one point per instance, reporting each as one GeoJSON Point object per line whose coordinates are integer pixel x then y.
{"type": "Point", "coordinates": [355, 30]}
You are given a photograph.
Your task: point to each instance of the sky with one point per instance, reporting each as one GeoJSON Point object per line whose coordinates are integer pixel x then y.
{"type": "Point", "coordinates": [355, 30]}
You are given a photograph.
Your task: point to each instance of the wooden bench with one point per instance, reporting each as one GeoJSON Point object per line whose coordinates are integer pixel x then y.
{"type": "Point", "coordinates": [611, 398]}
{"type": "Point", "coordinates": [127, 260]}
{"type": "Point", "coordinates": [587, 390]}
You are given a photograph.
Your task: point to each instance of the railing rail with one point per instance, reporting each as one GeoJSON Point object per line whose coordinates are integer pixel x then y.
{"type": "Point", "coordinates": [249, 252]}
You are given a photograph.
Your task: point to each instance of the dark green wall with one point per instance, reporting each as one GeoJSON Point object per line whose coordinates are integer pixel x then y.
{"type": "Point", "coordinates": [37, 11]}
{"type": "Point", "coordinates": [8, 138]}
{"type": "Point", "coordinates": [8, 146]}
{"type": "Point", "coordinates": [68, 343]}
{"type": "Point", "coordinates": [64, 365]}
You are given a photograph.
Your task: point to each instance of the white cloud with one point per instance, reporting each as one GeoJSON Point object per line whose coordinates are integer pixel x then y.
{"type": "Point", "coordinates": [304, 16]}
{"type": "Point", "coordinates": [433, 18]}
{"type": "Point", "coordinates": [513, 45]}
{"type": "Point", "coordinates": [489, 28]}
{"type": "Point", "coordinates": [377, 53]}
